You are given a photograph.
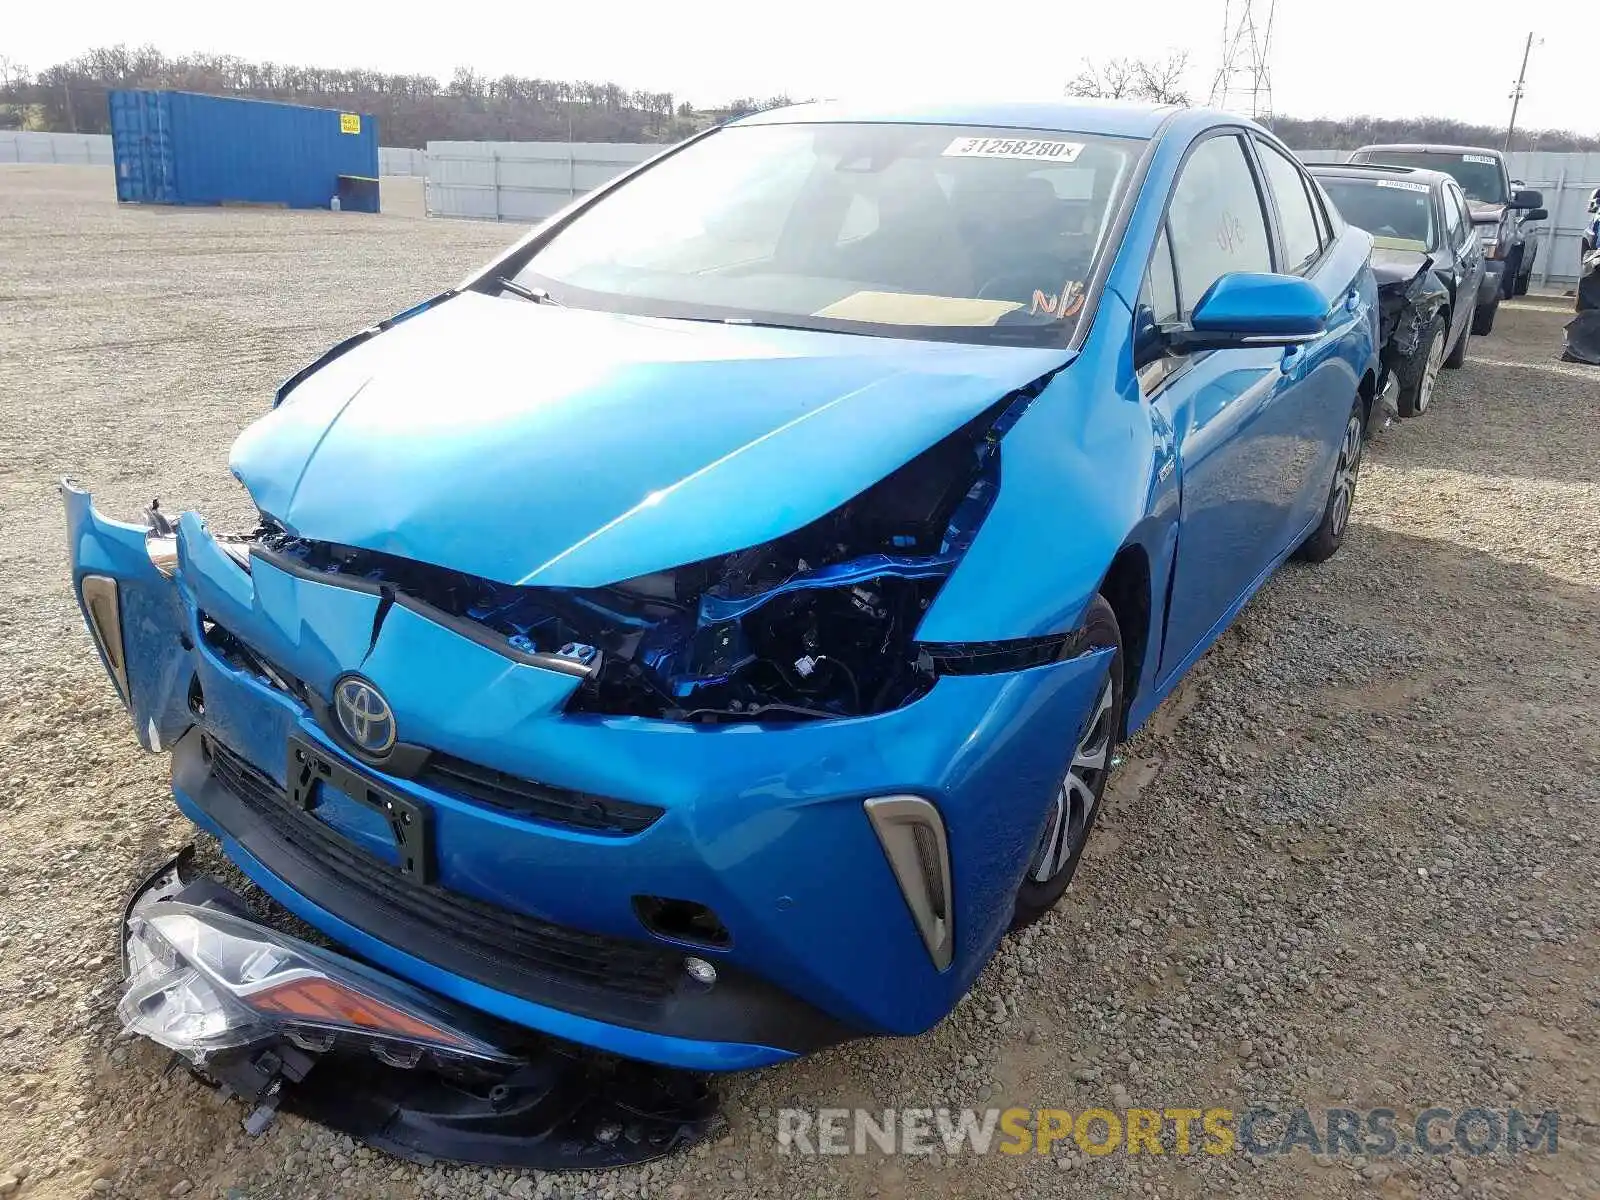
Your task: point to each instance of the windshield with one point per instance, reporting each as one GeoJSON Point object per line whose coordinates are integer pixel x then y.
{"type": "Point", "coordinates": [1479, 175]}
{"type": "Point", "coordinates": [1396, 212]}
{"type": "Point", "coordinates": [948, 232]}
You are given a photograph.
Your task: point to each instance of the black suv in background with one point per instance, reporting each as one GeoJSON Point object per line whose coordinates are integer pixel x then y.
{"type": "Point", "coordinates": [1501, 211]}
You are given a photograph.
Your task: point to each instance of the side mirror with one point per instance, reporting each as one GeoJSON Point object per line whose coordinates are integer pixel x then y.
{"type": "Point", "coordinates": [1527, 198]}
{"type": "Point", "coordinates": [1247, 309]}
{"type": "Point", "coordinates": [1537, 214]}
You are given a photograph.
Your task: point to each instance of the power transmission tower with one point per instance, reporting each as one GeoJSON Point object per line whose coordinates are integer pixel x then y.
{"type": "Point", "coordinates": [1244, 80]}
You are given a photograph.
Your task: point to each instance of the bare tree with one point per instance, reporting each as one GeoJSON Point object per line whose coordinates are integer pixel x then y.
{"type": "Point", "coordinates": [1114, 79]}
{"type": "Point", "coordinates": [1157, 81]}
{"type": "Point", "coordinates": [12, 72]}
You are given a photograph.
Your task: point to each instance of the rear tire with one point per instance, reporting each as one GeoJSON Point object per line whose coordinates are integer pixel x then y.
{"type": "Point", "coordinates": [1324, 543]}
{"type": "Point", "coordinates": [1483, 317]}
{"type": "Point", "coordinates": [1056, 856]}
{"type": "Point", "coordinates": [1419, 374]}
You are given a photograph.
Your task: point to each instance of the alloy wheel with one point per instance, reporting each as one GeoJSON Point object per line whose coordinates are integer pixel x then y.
{"type": "Point", "coordinates": [1079, 792]}
{"type": "Point", "coordinates": [1430, 371]}
{"type": "Point", "coordinates": [1344, 476]}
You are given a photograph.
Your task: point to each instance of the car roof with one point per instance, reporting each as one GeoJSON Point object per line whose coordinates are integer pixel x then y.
{"type": "Point", "coordinates": [1431, 148]}
{"type": "Point", "coordinates": [1105, 117]}
{"type": "Point", "coordinates": [1377, 171]}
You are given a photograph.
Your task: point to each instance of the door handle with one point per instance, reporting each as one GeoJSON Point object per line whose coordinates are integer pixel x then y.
{"type": "Point", "coordinates": [1293, 356]}
{"type": "Point", "coordinates": [1353, 300]}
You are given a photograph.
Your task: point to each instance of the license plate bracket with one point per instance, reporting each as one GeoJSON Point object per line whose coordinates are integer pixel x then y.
{"type": "Point", "coordinates": [410, 823]}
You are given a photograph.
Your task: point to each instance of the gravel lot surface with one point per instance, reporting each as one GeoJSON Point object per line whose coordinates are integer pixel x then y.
{"type": "Point", "coordinates": [1354, 862]}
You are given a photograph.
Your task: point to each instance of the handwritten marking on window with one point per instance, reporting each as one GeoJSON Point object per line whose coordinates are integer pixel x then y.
{"type": "Point", "coordinates": [1062, 305]}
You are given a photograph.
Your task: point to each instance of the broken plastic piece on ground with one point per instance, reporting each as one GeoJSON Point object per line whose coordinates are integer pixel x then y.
{"type": "Point", "coordinates": [536, 1103]}
{"type": "Point", "coordinates": [1583, 338]}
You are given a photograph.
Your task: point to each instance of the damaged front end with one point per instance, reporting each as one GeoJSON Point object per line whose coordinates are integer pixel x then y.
{"type": "Point", "coordinates": [285, 1025]}
{"type": "Point", "coordinates": [817, 624]}
{"type": "Point", "coordinates": [1406, 306]}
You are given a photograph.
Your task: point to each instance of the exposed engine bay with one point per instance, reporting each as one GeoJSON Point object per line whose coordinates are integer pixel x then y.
{"type": "Point", "coordinates": [819, 623]}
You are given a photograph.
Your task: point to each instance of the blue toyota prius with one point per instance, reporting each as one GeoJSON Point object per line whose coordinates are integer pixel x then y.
{"type": "Point", "coordinates": [703, 633]}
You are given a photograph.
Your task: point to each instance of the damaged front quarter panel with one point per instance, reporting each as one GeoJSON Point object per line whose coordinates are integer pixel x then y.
{"type": "Point", "coordinates": [1406, 308]}
{"type": "Point", "coordinates": [135, 616]}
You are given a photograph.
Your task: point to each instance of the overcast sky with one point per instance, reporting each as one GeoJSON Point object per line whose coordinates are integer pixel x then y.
{"type": "Point", "coordinates": [1384, 57]}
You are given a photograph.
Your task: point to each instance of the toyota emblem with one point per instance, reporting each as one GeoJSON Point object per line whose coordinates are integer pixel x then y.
{"type": "Point", "coordinates": [364, 715]}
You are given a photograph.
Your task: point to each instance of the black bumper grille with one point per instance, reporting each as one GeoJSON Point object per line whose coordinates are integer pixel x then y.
{"type": "Point", "coordinates": [562, 806]}
{"type": "Point", "coordinates": [476, 932]}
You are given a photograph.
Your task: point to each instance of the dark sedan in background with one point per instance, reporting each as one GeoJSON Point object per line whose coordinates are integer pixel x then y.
{"type": "Point", "coordinates": [1432, 281]}
{"type": "Point", "coordinates": [1502, 209]}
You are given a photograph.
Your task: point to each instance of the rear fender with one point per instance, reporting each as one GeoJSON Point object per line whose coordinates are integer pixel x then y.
{"type": "Point", "coordinates": [135, 617]}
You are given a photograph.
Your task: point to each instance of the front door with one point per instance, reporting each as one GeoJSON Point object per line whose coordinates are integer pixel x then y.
{"type": "Point", "coordinates": [1238, 455]}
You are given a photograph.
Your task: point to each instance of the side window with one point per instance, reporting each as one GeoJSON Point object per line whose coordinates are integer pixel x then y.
{"type": "Point", "coordinates": [1161, 283]}
{"type": "Point", "coordinates": [1215, 220]}
{"type": "Point", "coordinates": [1452, 217]}
{"type": "Point", "coordinates": [1159, 295]}
{"type": "Point", "coordinates": [1464, 212]}
{"type": "Point", "coordinates": [1302, 241]}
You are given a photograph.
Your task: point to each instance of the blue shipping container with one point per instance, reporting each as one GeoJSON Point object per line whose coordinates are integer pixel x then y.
{"type": "Point", "coordinates": [186, 148]}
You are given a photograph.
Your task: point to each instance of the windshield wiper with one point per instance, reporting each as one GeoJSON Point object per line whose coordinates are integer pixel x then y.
{"type": "Point", "coordinates": [537, 295]}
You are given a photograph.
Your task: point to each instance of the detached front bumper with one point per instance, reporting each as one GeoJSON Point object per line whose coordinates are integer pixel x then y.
{"type": "Point", "coordinates": [552, 923]}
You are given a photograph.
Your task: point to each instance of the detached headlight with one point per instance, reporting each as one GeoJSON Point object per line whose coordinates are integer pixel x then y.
{"type": "Point", "coordinates": [201, 980]}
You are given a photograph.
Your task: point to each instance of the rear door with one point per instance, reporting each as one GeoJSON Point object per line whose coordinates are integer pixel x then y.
{"type": "Point", "coordinates": [1318, 390]}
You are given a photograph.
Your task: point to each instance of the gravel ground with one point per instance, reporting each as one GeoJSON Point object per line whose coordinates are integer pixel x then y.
{"type": "Point", "coordinates": [1353, 862]}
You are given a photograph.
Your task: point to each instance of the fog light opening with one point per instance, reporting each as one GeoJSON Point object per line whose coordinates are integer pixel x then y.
{"type": "Point", "coordinates": [682, 921]}
{"type": "Point", "coordinates": [102, 606]}
{"type": "Point", "coordinates": [911, 833]}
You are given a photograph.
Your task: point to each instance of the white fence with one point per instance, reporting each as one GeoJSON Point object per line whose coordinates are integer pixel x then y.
{"type": "Point", "coordinates": [92, 149]}
{"type": "Point", "coordinates": [1567, 181]}
{"type": "Point", "coordinates": [521, 181]}
{"type": "Point", "coordinates": [401, 160]}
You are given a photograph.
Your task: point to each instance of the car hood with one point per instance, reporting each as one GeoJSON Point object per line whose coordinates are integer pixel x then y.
{"type": "Point", "coordinates": [531, 444]}
{"type": "Point", "coordinates": [1393, 265]}
{"type": "Point", "coordinates": [1485, 214]}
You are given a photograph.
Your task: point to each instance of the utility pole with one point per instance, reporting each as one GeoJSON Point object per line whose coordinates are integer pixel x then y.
{"type": "Point", "coordinates": [1516, 92]}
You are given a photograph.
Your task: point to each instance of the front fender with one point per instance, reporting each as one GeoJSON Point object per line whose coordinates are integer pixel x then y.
{"type": "Point", "coordinates": [1083, 473]}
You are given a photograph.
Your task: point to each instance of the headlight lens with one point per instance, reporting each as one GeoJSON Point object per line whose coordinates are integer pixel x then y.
{"type": "Point", "coordinates": [200, 980]}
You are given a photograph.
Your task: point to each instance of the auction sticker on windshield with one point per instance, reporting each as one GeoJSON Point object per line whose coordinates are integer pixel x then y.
{"type": "Point", "coordinates": [1478, 158]}
{"type": "Point", "coordinates": [989, 147]}
{"type": "Point", "coordinates": [1401, 185]}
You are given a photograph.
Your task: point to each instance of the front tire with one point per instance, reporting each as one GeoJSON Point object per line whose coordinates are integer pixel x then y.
{"type": "Point", "coordinates": [1324, 543]}
{"type": "Point", "coordinates": [1077, 800]}
{"type": "Point", "coordinates": [1419, 374]}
